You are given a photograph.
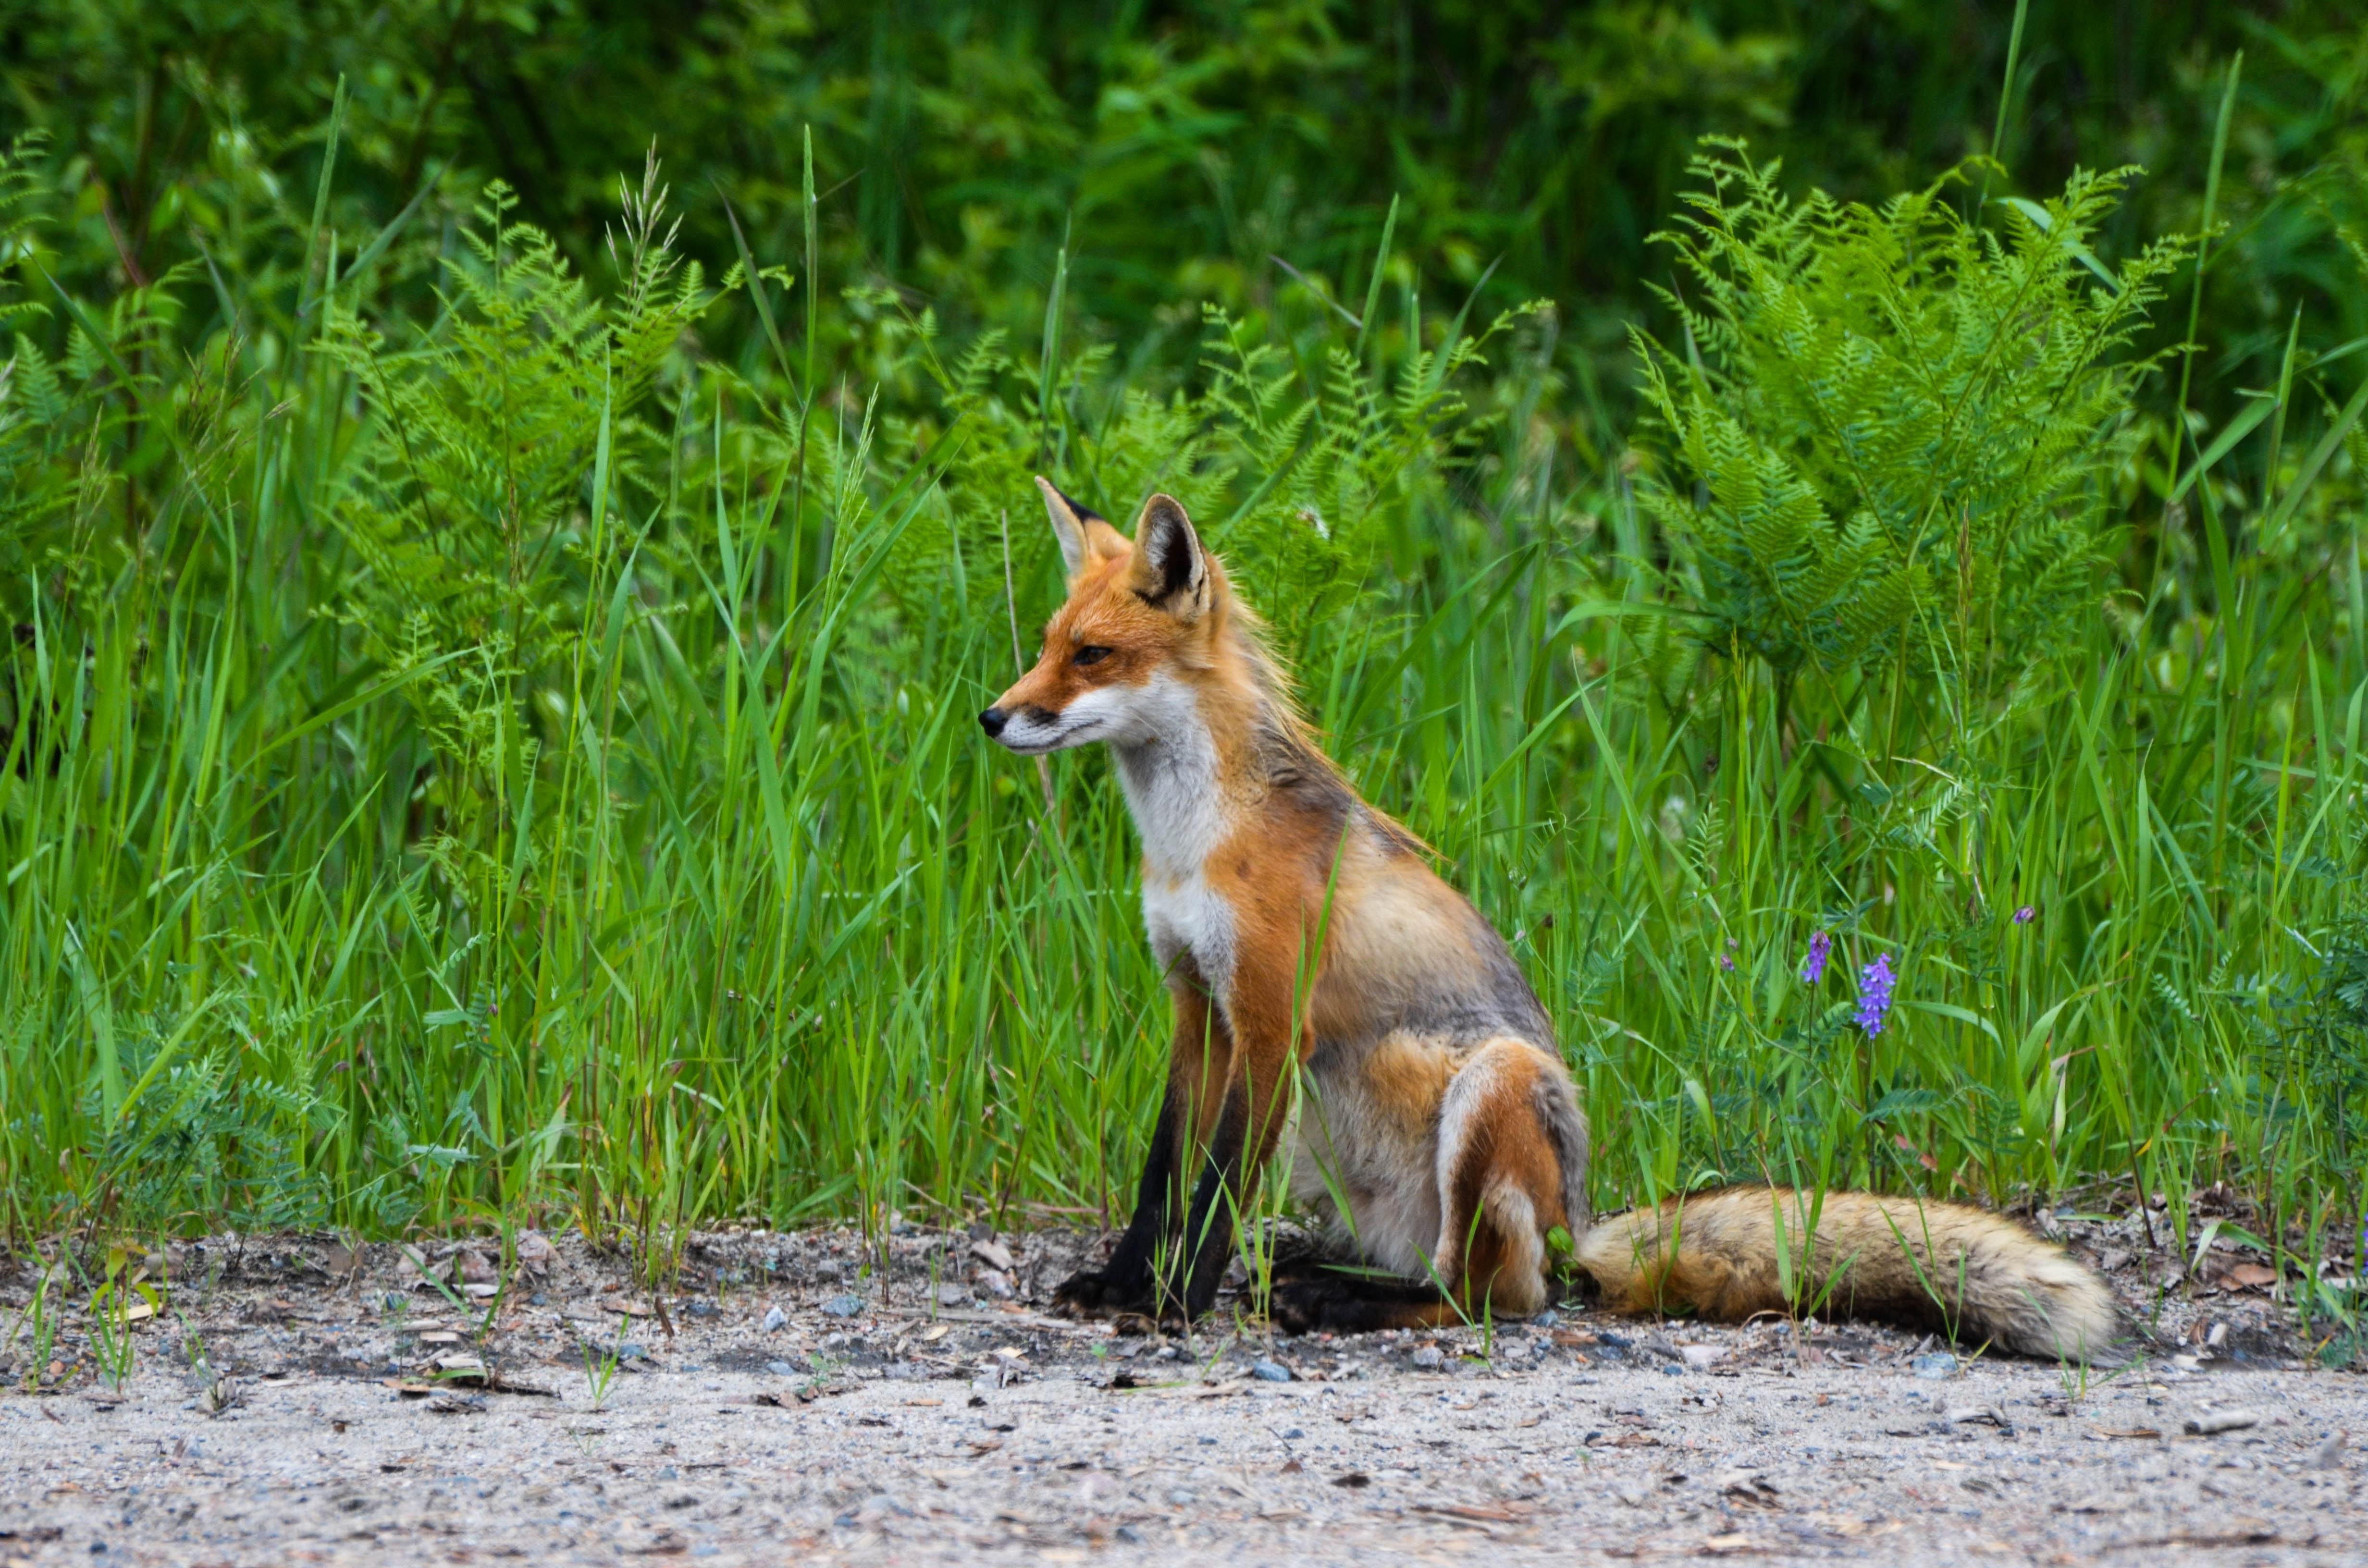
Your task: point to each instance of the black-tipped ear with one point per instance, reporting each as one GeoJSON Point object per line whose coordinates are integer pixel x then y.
{"type": "Point", "coordinates": [1171, 570]}
{"type": "Point", "coordinates": [1068, 525]}
{"type": "Point", "coordinates": [1085, 535]}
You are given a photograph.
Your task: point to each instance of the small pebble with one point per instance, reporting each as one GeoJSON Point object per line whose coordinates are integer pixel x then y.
{"type": "Point", "coordinates": [2216, 1421]}
{"type": "Point", "coordinates": [1270, 1372]}
{"type": "Point", "coordinates": [953, 1295]}
{"type": "Point", "coordinates": [843, 1306]}
{"type": "Point", "coordinates": [1428, 1358]}
{"type": "Point", "coordinates": [776, 1320]}
{"type": "Point", "coordinates": [1940, 1364]}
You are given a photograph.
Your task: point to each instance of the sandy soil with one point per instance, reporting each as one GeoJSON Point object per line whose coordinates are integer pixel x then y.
{"type": "Point", "coordinates": [289, 1406]}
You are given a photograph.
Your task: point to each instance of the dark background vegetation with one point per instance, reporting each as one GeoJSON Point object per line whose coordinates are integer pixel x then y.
{"type": "Point", "coordinates": [1179, 146]}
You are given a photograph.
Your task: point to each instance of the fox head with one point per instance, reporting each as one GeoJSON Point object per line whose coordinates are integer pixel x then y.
{"type": "Point", "coordinates": [1142, 621]}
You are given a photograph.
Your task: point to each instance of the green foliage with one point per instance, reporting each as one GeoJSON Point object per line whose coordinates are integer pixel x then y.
{"type": "Point", "coordinates": [1892, 435]}
{"type": "Point", "coordinates": [481, 552]}
{"type": "Point", "coordinates": [485, 729]}
{"type": "Point", "coordinates": [1172, 149]}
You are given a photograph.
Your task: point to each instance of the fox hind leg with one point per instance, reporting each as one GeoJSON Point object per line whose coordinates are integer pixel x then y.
{"type": "Point", "coordinates": [1504, 1149]}
{"type": "Point", "coordinates": [1510, 1154]}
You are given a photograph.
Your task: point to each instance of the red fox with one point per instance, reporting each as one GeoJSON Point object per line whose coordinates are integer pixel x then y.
{"type": "Point", "coordinates": [1440, 1132]}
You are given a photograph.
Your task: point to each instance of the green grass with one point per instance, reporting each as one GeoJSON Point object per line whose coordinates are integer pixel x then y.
{"type": "Point", "coordinates": [504, 763]}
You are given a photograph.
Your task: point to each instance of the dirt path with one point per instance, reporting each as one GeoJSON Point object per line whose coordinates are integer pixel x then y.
{"type": "Point", "coordinates": [923, 1430]}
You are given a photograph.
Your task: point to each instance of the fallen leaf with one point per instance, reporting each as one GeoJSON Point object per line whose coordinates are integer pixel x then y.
{"type": "Point", "coordinates": [2251, 1277]}
{"type": "Point", "coordinates": [1493, 1516]}
{"type": "Point", "coordinates": [497, 1384]}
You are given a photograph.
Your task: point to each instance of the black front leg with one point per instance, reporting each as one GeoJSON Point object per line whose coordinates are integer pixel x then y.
{"type": "Point", "coordinates": [1213, 1221]}
{"type": "Point", "coordinates": [1124, 1284]}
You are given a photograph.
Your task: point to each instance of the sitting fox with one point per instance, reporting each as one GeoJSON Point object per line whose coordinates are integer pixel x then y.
{"type": "Point", "coordinates": [1440, 1131]}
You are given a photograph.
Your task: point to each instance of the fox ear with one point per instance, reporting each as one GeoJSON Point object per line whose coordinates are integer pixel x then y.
{"type": "Point", "coordinates": [1085, 536]}
{"type": "Point", "coordinates": [1171, 570]}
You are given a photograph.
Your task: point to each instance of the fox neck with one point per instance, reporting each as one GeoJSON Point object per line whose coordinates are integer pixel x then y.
{"type": "Point", "coordinates": [1190, 785]}
{"type": "Point", "coordinates": [1182, 784]}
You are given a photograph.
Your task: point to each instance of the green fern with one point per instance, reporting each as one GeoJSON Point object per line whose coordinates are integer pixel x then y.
{"type": "Point", "coordinates": [1888, 434]}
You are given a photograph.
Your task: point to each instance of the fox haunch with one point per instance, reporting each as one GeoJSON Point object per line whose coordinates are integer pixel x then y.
{"type": "Point", "coordinates": [1304, 932]}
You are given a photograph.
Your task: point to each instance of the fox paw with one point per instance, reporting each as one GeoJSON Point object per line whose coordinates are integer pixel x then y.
{"type": "Point", "coordinates": [1091, 1292]}
{"type": "Point", "coordinates": [1297, 1306]}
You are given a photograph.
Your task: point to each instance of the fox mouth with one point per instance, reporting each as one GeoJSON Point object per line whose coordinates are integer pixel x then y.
{"type": "Point", "coordinates": [1059, 740]}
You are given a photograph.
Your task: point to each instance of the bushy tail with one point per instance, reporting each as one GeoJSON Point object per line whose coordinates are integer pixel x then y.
{"type": "Point", "coordinates": [1976, 1276]}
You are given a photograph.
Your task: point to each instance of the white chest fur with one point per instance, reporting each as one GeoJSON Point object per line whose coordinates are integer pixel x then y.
{"type": "Point", "coordinates": [1173, 790]}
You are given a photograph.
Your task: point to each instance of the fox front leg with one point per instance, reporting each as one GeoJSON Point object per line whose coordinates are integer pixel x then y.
{"type": "Point", "coordinates": [1200, 1061]}
{"type": "Point", "coordinates": [1249, 1125]}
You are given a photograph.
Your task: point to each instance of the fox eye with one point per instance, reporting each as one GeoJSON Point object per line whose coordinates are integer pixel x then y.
{"type": "Point", "coordinates": [1091, 655]}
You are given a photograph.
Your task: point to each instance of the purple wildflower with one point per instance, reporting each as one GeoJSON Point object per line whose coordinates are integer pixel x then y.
{"type": "Point", "coordinates": [1820, 946]}
{"type": "Point", "coordinates": [1726, 958]}
{"type": "Point", "coordinates": [1875, 986]}
{"type": "Point", "coordinates": [2026, 915]}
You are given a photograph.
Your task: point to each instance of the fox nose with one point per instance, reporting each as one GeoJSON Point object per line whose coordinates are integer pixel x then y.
{"type": "Point", "coordinates": [993, 721]}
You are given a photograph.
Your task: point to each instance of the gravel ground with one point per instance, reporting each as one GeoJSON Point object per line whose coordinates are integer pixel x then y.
{"type": "Point", "coordinates": [288, 1407]}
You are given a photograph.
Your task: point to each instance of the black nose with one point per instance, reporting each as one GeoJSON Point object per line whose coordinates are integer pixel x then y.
{"type": "Point", "coordinates": [992, 721]}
